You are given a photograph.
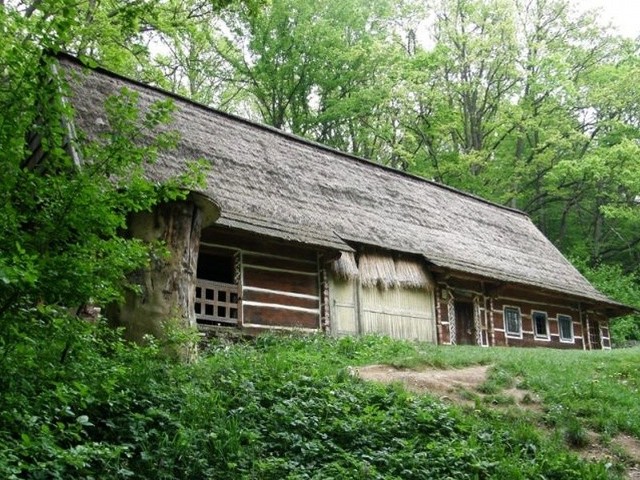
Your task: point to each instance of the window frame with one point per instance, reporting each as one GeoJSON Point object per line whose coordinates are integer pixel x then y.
{"type": "Point", "coordinates": [573, 335]}
{"type": "Point", "coordinates": [537, 336]}
{"type": "Point", "coordinates": [506, 323]}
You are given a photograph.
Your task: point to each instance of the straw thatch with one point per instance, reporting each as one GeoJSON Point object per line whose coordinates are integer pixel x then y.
{"type": "Point", "coordinates": [377, 269]}
{"type": "Point", "coordinates": [345, 267]}
{"type": "Point", "coordinates": [272, 183]}
{"type": "Point", "coordinates": [380, 269]}
{"type": "Point", "coordinates": [412, 274]}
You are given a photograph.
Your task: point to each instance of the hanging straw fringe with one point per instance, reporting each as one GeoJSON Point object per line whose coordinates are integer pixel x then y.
{"type": "Point", "coordinates": [377, 269]}
{"type": "Point", "coordinates": [412, 274]}
{"type": "Point", "coordinates": [345, 267]}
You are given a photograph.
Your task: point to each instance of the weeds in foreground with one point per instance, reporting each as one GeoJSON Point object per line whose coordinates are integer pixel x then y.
{"type": "Point", "coordinates": [273, 408]}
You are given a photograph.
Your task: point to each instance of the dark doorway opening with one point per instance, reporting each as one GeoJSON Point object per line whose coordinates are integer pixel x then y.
{"type": "Point", "coordinates": [465, 324]}
{"type": "Point", "coordinates": [217, 267]}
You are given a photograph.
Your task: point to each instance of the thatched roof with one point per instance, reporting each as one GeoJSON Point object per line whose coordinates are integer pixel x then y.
{"type": "Point", "coordinates": [276, 184]}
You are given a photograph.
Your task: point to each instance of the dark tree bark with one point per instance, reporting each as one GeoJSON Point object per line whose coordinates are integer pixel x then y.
{"type": "Point", "coordinates": [168, 284]}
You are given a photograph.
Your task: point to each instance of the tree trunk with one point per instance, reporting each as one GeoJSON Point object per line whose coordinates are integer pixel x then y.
{"type": "Point", "coordinates": [167, 285]}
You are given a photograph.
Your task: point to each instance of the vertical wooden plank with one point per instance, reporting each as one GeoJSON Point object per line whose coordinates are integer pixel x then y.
{"type": "Point", "coordinates": [240, 288]}
{"type": "Point", "coordinates": [343, 308]}
{"type": "Point", "coordinates": [438, 314]}
{"type": "Point", "coordinates": [492, 322]}
{"type": "Point", "coordinates": [399, 313]}
{"type": "Point", "coordinates": [358, 294]}
{"type": "Point", "coordinates": [451, 312]}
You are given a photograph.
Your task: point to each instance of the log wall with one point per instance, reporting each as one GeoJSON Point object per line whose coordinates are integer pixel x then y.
{"type": "Point", "coordinates": [279, 283]}
{"type": "Point", "coordinates": [590, 329]}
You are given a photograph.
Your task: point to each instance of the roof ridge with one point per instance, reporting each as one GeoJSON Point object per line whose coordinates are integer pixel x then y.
{"type": "Point", "coordinates": [287, 135]}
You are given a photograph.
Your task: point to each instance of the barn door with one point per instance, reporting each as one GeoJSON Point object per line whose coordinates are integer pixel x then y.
{"type": "Point", "coordinates": [465, 325]}
{"type": "Point", "coordinates": [343, 307]}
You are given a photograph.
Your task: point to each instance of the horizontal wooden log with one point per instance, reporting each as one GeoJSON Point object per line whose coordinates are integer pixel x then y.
{"type": "Point", "coordinates": [285, 282]}
{"type": "Point", "coordinates": [529, 341]}
{"type": "Point", "coordinates": [531, 297]}
{"type": "Point", "coordinates": [280, 299]}
{"type": "Point", "coordinates": [526, 308]}
{"type": "Point", "coordinates": [267, 316]}
{"type": "Point", "coordinates": [252, 243]}
{"type": "Point", "coordinates": [281, 263]}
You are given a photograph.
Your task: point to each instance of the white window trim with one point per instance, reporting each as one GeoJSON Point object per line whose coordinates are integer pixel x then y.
{"type": "Point", "coordinates": [573, 336]}
{"type": "Point", "coordinates": [533, 324]}
{"type": "Point", "coordinates": [506, 325]}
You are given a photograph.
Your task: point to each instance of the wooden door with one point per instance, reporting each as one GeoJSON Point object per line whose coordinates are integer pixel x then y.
{"type": "Point", "coordinates": [465, 325]}
{"type": "Point", "coordinates": [596, 340]}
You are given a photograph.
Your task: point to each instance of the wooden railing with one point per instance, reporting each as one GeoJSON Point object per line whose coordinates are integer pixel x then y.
{"type": "Point", "coordinates": [216, 303]}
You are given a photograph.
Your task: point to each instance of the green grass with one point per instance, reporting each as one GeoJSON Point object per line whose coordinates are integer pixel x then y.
{"type": "Point", "coordinates": [601, 389]}
{"type": "Point", "coordinates": [288, 407]}
{"type": "Point", "coordinates": [579, 391]}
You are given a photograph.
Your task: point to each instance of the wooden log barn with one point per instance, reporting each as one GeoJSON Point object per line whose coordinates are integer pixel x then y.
{"type": "Point", "coordinates": [309, 238]}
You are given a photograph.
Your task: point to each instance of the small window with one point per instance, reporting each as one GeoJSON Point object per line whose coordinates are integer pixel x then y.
{"type": "Point", "coordinates": [513, 321]}
{"type": "Point", "coordinates": [565, 325]}
{"type": "Point", "coordinates": [540, 324]}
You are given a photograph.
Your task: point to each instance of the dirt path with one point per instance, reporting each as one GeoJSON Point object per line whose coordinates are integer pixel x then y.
{"type": "Point", "coordinates": [435, 382]}
{"type": "Point", "coordinates": [463, 386]}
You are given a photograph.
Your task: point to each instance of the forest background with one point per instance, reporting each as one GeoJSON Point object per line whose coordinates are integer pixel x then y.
{"type": "Point", "coordinates": [532, 104]}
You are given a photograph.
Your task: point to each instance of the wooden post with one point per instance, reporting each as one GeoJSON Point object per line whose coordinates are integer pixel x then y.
{"type": "Point", "coordinates": [491, 322]}
{"type": "Point", "coordinates": [358, 305]}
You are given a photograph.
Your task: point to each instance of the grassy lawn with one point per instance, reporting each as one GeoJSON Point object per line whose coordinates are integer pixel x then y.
{"type": "Point", "coordinates": [600, 390]}
{"type": "Point", "coordinates": [580, 393]}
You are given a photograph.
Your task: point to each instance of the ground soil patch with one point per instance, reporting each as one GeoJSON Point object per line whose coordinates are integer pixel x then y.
{"type": "Point", "coordinates": [631, 448]}
{"type": "Point", "coordinates": [440, 383]}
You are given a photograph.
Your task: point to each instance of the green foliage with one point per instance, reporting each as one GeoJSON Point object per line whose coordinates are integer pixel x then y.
{"type": "Point", "coordinates": [613, 281]}
{"type": "Point", "coordinates": [313, 68]}
{"type": "Point", "coordinates": [276, 407]}
{"type": "Point", "coordinates": [63, 244]}
{"type": "Point", "coordinates": [528, 104]}
{"type": "Point", "coordinates": [574, 433]}
{"type": "Point", "coordinates": [64, 198]}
